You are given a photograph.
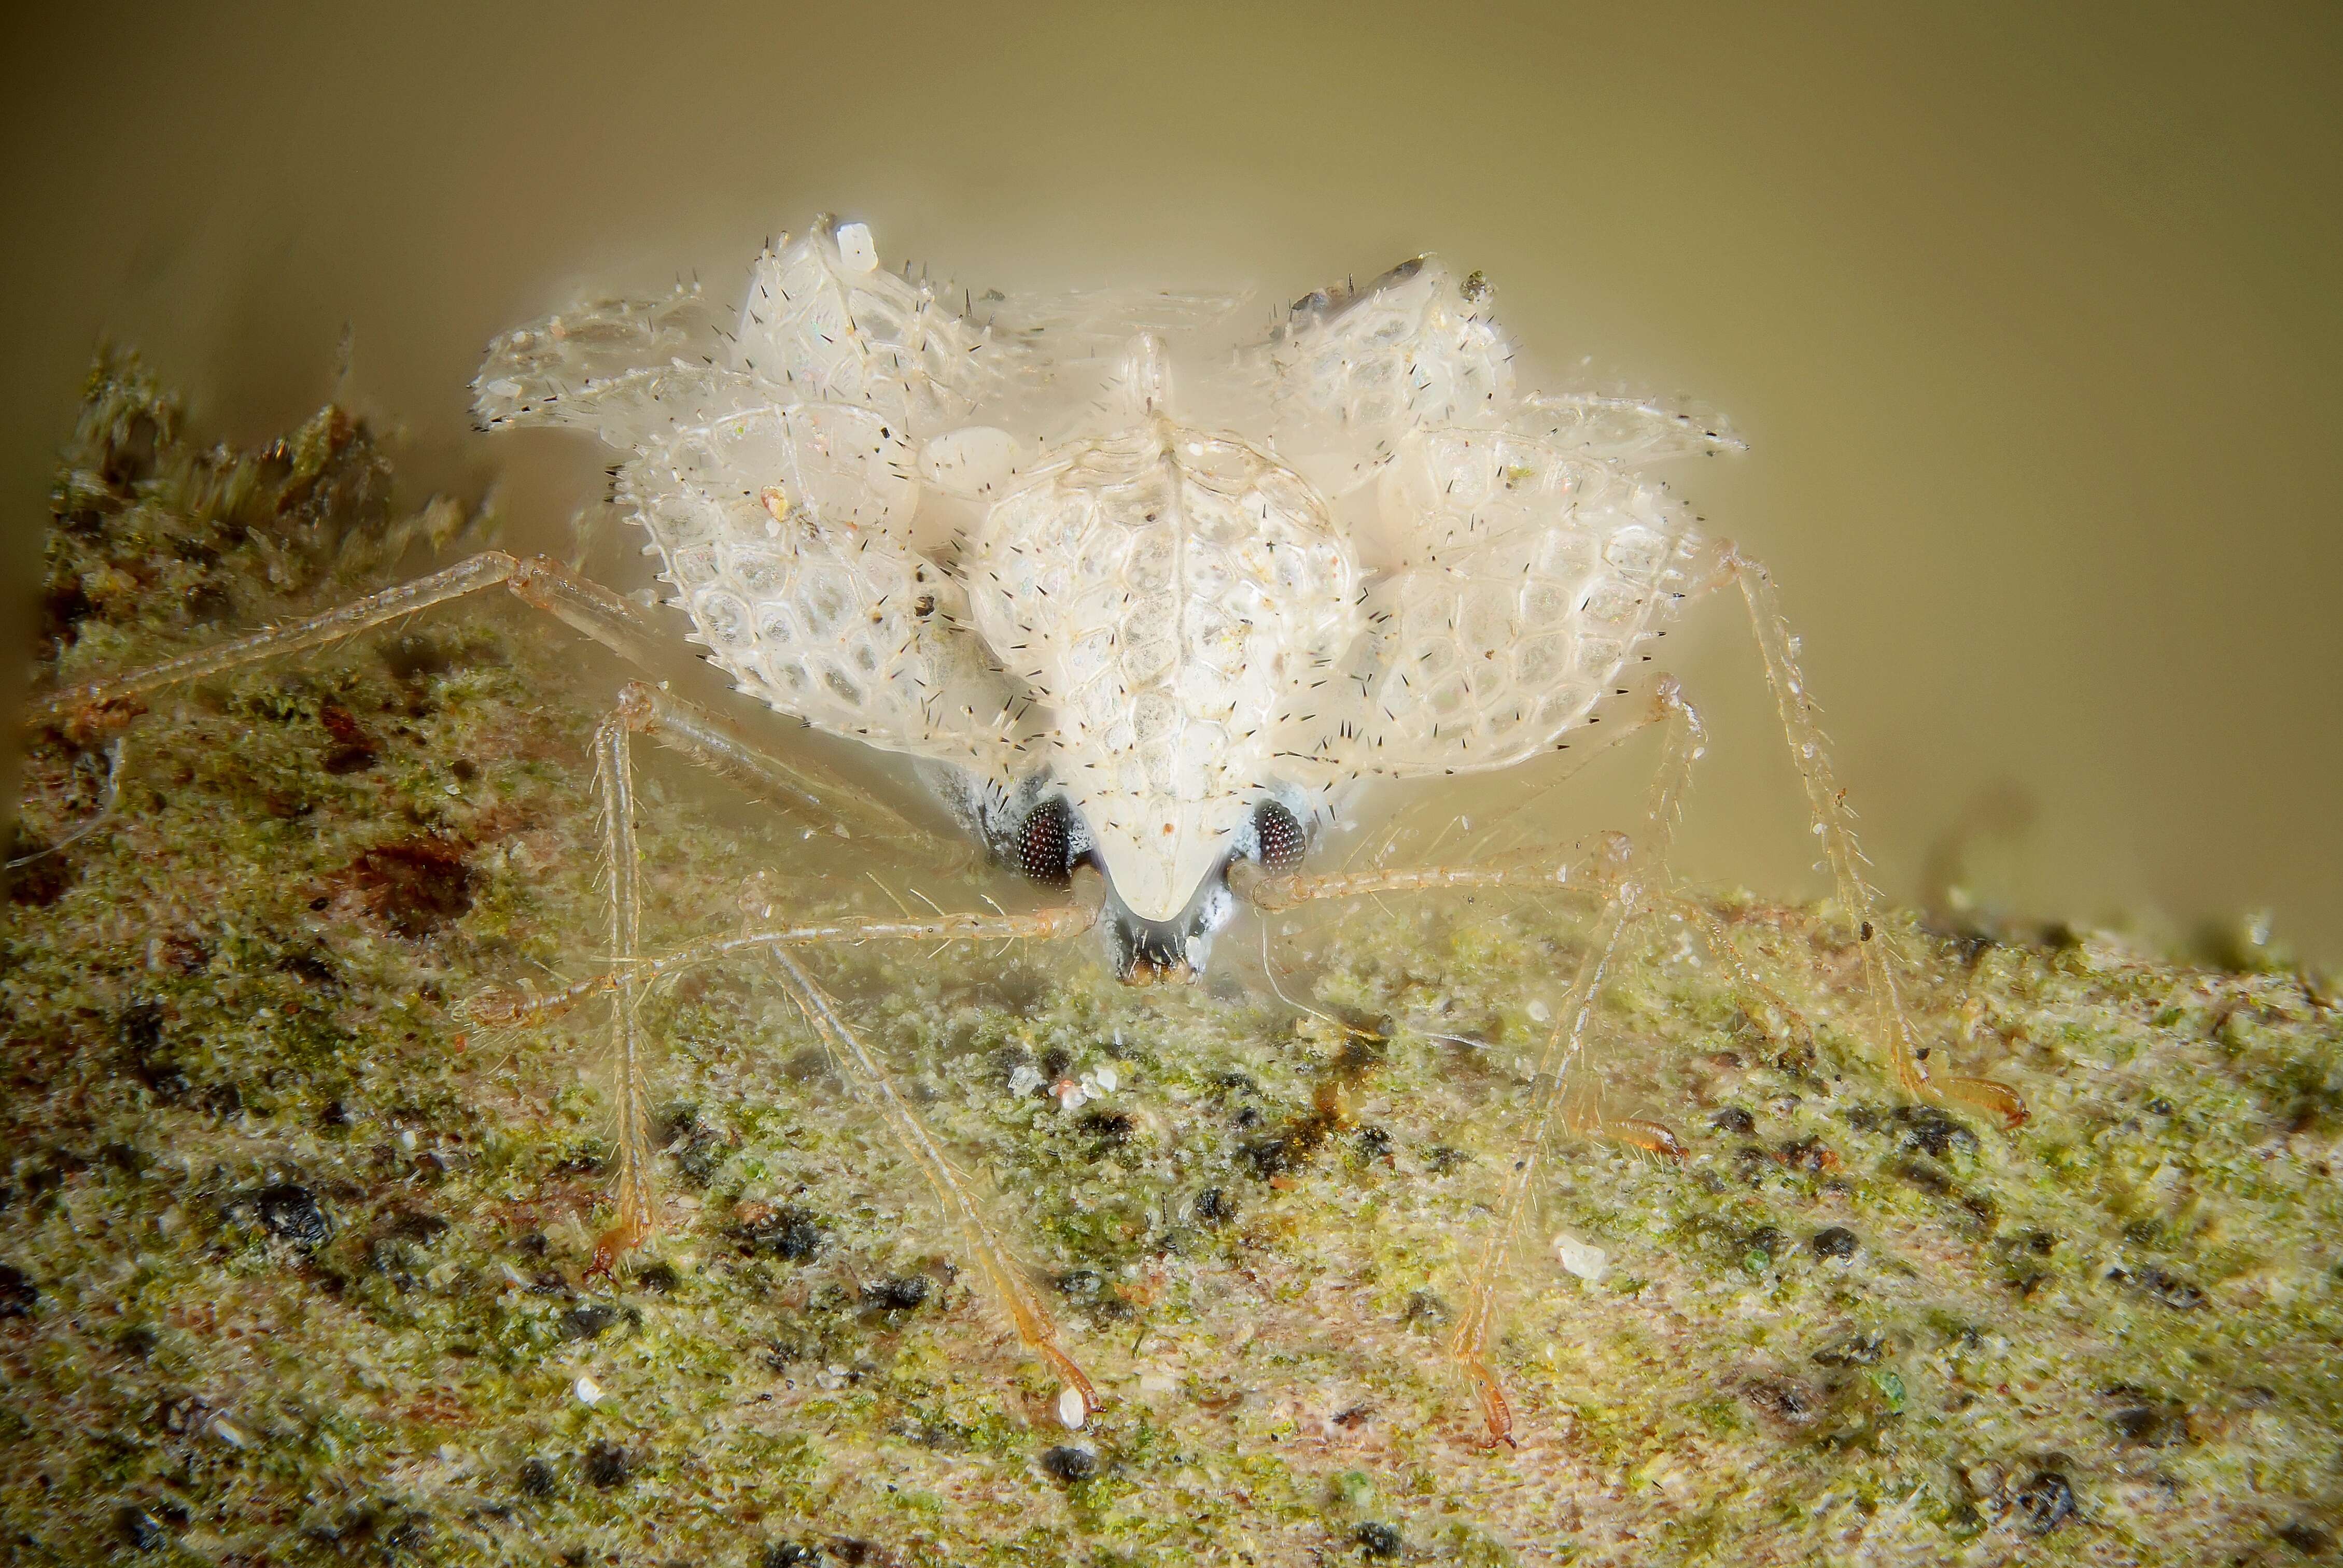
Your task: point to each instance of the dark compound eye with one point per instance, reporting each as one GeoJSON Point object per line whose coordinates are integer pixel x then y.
{"type": "Point", "coordinates": [1280, 838]}
{"type": "Point", "coordinates": [1045, 844]}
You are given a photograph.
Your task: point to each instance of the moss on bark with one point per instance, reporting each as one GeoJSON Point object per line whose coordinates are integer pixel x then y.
{"type": "Point", "coordinates": [294, 1265]}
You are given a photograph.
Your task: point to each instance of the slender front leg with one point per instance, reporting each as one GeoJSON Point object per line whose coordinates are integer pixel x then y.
{"type": "Point", "coordinates": [721, 749]}
{"type": "Point", "coordinates": [1589, 870]}
{"type": "Point", "coordinates": [525, 1009]}
{"type": "Point", "coordinates": [718, 746]}
{"type": "Point", "coordinates": [638, 1213]}
{"type": "Point", "coordinates": [1581, 870]}
{"type": "Point", "coordinates": [539, 581]}
{"type": "Point", "coordinates": [1833, 824]}
{"type": "Point", "coordinates": [1078, 1397]}
{"type": "Point", "coordinates": [1558, 1092]}
{"type": "Point", "coordinates": [643, 709]}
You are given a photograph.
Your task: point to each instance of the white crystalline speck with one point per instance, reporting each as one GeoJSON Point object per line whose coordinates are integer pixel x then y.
{"type": "Point", "coordinates": [1582, 1259]}
{"type": "Point", "coordinates": [588, 1391]}
{"type": "Point", "coordinates": [1072, 1409]}
{"type": "Point", "coordinates": [855, 247]}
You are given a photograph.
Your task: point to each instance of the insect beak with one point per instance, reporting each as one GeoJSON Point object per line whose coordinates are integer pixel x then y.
{"type": "Point", "coordinates": [1147, 971]}
{"type": "Point", "coordinates": [1142, 951]}
{"type": "Point", "coordinates": [1149, 953]}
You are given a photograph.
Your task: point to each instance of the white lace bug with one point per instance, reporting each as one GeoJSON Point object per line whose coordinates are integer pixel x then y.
{"type": "Point", "coordinates": [1151, 588]}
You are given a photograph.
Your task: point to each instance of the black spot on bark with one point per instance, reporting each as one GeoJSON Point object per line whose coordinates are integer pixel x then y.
{"type": "Point", "coordinates": [139, 1028]}
{"type": "Point", "coordinates": [64, 607]}
{"type": "Point", "coordinates": [608, 1465]}
{"type": "Point", "coordinates": [43, 878]}
{"type": "Point", "coordinates": [139, 1529]}
{"type": "Point", "coordinates": [2170, 1288]}
{"type": "Point", "coordinates": [310, 968]}
{"type": "Point", "coordinates": [1269, 1157]}
{"type": "Point", "coordinates": [899, 1293]}
{"type": "Point", "coordinates": [783, 1232]}
{"type": "Point", "coordinates": [2149, 1426]}
{"type": "Point", "coordinates": [1070, 1463]}
{"type": "Point", "coordinates": [588, 1320]}
{"type": "Point", "coordinates": [290, 1212]}
{"type": "Point", "coordinates": [2307, 1539]}
{"type": "Point", "coordinates": [1925, 1177]}
{"type": "Point", "coordinates": [2045, 1501]}
{"type": "Point", "coordinates": [792, 1554]}
{"type": "Point", "coordinates": [1933, 1132]}
{"type": "Point", "coordinates": [1838, 1241]}
{"type": "Point", "coordinates": [1780, 1397]}
{"type": "Point", "coordinates": [1111, 1128]}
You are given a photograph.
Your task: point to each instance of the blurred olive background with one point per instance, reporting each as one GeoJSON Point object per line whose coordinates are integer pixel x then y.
{"type": "Point", "coordinates": [2029, 312]}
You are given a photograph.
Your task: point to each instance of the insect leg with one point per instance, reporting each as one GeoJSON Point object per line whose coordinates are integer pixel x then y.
{"type": "Point", "coordinates": [1833, 824]}
{"type": "Point", "coordinates": [516, 1008]}
{"type": "Point", "coordinates": [805, 787]}
{"type": "Point", "coordinates": [1034, 1325]}
{"type": "Point", "coordinates": [642, 709]}
{"type": "Point", "coordinates": [1582, 869]}
{"type": "Point", "coordinates": [637, 1198]}
{"type": "Point", "coordinates": [1718, 934]}
{"type": "Point", "coordinates": [539, 581]}
{"type": "Point", "coordinates": [1561, 1091]}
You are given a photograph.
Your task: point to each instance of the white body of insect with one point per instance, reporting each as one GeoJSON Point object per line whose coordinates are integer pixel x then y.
{"type": "Point", "coordinates": [1147, 589]}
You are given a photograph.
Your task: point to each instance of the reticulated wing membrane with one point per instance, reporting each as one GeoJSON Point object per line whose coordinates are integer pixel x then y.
{"type": "Point", "coordinates": [623, 368]}
{"type": "Point", "coordinates": [1623, 428]}
{"type": "Point", "coordinates": [1348, 378]}
{"type": "Point", "coordinates": [826, 323]}
{"type": "Point", "coordinates": [821, 610]}
{"type": "Point", "coordinates": [1534, 578]}
{"type": "Point", "coordinates": [840, 466]}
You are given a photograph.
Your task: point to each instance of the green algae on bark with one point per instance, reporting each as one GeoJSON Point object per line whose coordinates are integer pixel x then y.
{"type": "Point", "coordinates": [295, 1264]}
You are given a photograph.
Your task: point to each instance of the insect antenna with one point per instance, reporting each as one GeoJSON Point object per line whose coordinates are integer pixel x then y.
{"type": "Point", "coordinates": [1269, 973]}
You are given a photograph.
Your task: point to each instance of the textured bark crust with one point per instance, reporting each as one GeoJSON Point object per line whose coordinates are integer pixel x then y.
{"type": "Point", "coordinates": [294, 1265]}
